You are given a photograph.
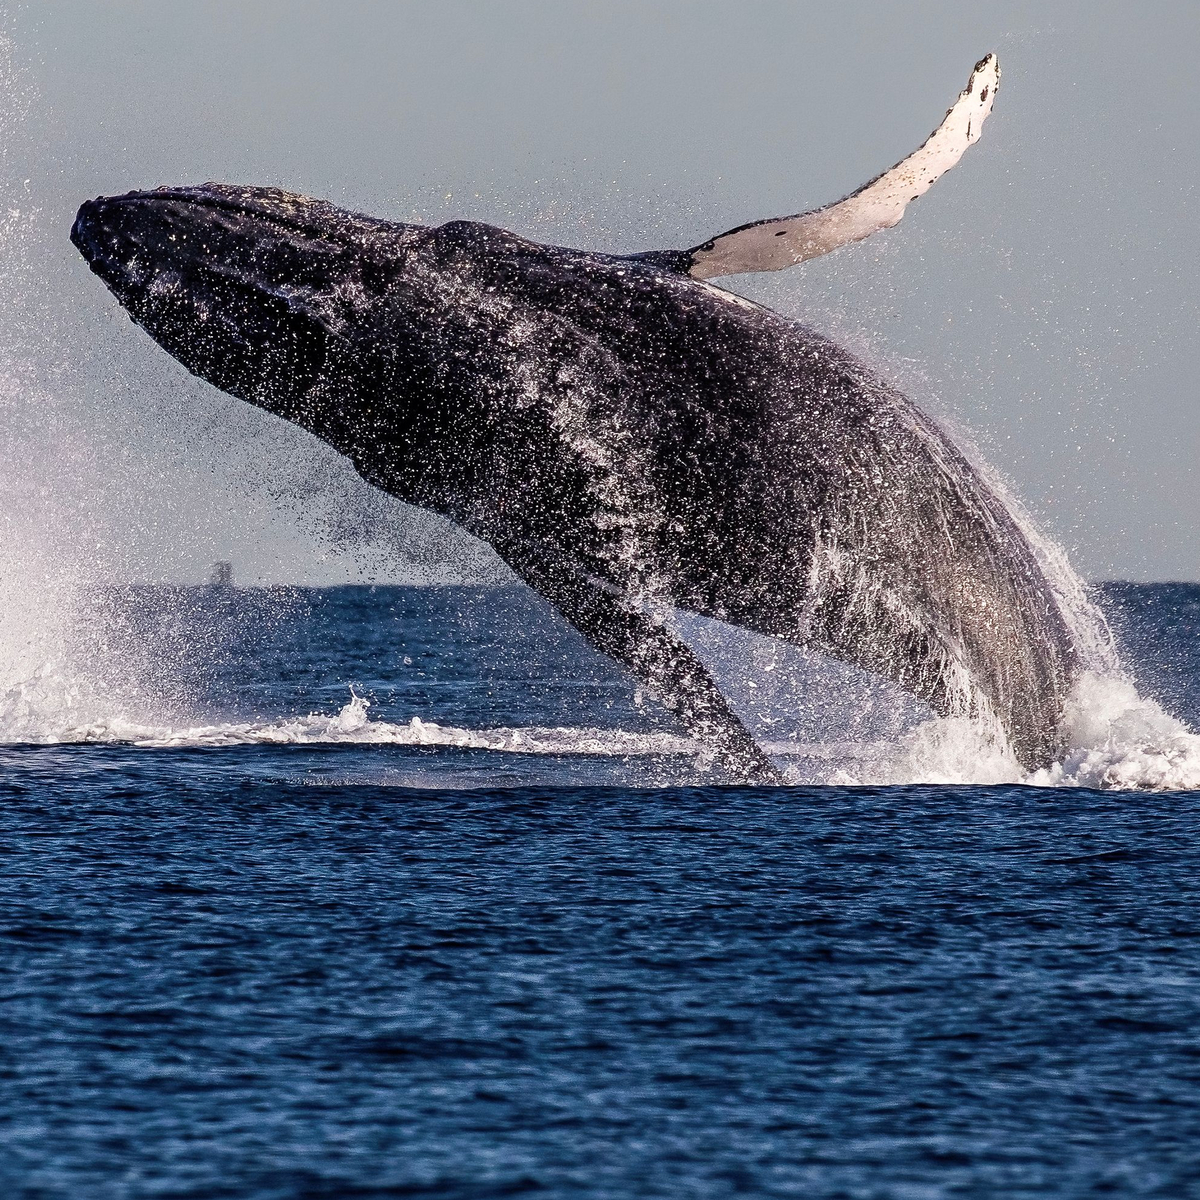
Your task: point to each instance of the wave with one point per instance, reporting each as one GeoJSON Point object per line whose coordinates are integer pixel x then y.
{"type": "Point", "coordinates": [349, 726]}
{"type": "Point", "coordinates": [1118, 741]}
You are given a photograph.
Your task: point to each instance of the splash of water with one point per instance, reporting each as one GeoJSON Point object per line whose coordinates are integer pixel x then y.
{"type": "Point", "coordinates": [62, 679]}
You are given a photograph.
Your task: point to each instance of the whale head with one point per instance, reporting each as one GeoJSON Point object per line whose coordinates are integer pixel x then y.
{"type": "Point", "coordinates": [252, 289]}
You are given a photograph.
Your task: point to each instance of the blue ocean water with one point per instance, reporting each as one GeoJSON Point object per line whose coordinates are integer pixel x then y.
{"type": "Point", "coordinates": [486, 927]}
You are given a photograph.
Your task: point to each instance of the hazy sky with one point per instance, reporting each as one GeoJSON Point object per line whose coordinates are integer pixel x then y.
{"type": "Point", "coordinates": [1044, 296]}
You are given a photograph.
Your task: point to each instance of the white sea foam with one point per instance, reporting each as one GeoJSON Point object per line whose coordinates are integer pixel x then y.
{"type": "Point", "coordinates": [22, 714]}
{"type": "Point", "coordinates": [1118, 740]}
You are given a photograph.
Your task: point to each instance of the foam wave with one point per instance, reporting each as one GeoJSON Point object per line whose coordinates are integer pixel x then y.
{"type": "Point", "coordinates": [1119, 741]}
{"type": "Point", "coordinates": [351, 725]}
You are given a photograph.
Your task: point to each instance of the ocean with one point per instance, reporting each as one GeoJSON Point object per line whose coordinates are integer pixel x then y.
{"type": "Point", "coordinates": [401, 891]}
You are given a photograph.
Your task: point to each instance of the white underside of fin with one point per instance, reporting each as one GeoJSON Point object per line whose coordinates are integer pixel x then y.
{"type": "Point", "coordinates": [772, 245]}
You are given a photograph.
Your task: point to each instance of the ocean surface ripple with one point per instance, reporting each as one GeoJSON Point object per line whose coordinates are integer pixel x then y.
{"type": "Point", "coordinates": [222, 982]}
{"type": "Point", "coordinates": [405, 892]}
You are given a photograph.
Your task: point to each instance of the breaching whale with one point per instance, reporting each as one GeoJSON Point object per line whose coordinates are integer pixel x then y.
{"type": "Point", "coordinates": [630, 438]}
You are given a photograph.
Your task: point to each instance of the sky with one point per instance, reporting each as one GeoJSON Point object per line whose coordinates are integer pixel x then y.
{"type": "Point", "coordinates": [1042, 299]}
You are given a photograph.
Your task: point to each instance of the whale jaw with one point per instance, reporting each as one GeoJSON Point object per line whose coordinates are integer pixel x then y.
{"type": "Point", "coordinates": [245, 286]}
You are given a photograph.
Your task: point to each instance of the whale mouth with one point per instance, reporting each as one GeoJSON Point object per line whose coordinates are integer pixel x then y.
{"type": "Point", "coordinates": [243, 286]}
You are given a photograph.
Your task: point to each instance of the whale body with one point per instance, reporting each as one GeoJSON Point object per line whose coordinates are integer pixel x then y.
{"type": "Point", "coordinates": [629, 437]}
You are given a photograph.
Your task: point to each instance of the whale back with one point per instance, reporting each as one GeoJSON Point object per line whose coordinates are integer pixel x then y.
{"type": "Point", "coordinates": [767, 477]}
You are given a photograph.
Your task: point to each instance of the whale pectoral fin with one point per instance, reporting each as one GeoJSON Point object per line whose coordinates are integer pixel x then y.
{"type": "Point", "coordinates": [671, 670]}
{"type": "Point", "coordinates": [661, 660]}
{"type": "Point", "coordinates": [780, 242]}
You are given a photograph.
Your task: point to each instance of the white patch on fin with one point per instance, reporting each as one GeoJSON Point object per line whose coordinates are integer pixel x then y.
{"type": "Point", "coordinates": [780, 242]}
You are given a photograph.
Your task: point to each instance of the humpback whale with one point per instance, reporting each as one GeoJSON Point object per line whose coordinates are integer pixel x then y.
{"type": "Point", "coordinates": [629, 437]}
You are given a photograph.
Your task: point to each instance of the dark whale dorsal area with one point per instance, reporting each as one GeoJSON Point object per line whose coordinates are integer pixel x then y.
{"type": "Point", "coordinates": [632, 440]}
